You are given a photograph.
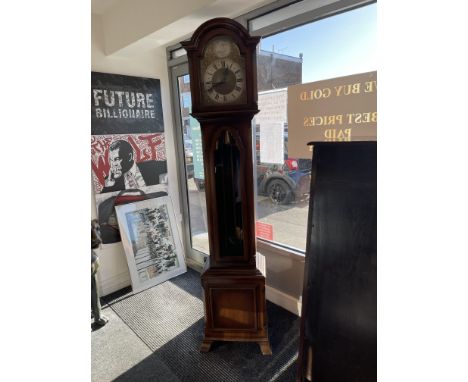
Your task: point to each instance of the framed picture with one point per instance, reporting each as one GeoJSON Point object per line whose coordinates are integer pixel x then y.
{"type": "Point", "coordinates": [151, 242]}
{"type": "Point", "coordinates": [106, 211]}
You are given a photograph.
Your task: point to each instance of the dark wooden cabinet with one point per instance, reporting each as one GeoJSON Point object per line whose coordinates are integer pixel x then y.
{"type": "Point", "coordinates": [222, 67]}
{"type": "Point", "coordinates": [338, 341]}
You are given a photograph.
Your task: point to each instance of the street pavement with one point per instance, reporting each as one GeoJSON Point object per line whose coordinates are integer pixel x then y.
{"type": "Point", "coordinates": [289, 221]}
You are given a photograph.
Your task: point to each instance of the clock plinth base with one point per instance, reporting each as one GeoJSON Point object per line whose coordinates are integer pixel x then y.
{"type": "Point", "coordinates": [206, 346]}
{"type": "Point", "coordinates": [265, 347]}
{"type": "Point", "coordinates": [235, 307]}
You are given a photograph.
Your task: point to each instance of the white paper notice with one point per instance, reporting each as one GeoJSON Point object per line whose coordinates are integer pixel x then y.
{"type": "Point", "coordinates": [273, 106]}
{"type": "Point", "coordinates": [272, 142]}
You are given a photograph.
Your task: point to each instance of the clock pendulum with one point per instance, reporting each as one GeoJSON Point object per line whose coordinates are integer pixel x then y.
{"type": "Point", "coordinates": [223, 84]}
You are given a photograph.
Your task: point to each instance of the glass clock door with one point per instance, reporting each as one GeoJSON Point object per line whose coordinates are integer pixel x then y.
{"type": "Point", "coordinates": [228, 195]}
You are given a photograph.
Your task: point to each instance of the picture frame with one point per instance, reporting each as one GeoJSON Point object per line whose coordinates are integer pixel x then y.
{"type": "Point", "coordinates": [151, 242]}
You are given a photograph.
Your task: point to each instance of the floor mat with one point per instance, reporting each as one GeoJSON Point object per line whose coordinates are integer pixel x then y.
{"type": "Point", "coordinates": [168, 318]}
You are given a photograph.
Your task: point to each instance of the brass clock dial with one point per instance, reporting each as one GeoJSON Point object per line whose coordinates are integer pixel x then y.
{"type": "Point", "coordinates": [223, 73]}
{"type": "Point", "coordinates": [224, 81]}
{"type": "Point", "coordinates": [222, 47]}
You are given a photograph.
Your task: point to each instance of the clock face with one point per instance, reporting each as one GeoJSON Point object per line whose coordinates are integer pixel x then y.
{"type": "Point", "coordinates": [224, 81]}
{"type": "Point", "coordinates": [223, 73]}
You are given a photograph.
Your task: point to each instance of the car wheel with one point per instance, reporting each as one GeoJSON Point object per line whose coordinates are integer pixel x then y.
{"type": "Point", "coordinates": [279, 192]}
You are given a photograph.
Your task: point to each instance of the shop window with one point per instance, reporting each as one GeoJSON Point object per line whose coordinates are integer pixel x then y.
{"type": "Point", "coordinates": [302, 42]}
{"type": "Point", "coordinates": [336, 46]}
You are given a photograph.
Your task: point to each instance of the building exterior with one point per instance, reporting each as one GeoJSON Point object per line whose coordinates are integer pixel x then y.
{"type": "Point", "coordinates": [275, 70]}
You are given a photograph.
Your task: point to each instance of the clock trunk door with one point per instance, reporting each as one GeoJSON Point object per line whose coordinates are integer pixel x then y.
{"type": "Point", "coordinates": [227, 173]}
{"type": "Point", "coordinates": [227, 202]}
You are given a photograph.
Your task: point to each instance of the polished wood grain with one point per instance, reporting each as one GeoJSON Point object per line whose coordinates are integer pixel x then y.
{"type": "Point", "coordinates": [235, 305]}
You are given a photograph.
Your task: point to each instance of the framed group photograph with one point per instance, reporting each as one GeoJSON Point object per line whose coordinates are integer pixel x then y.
{"type": "Point", "coordinates": [151, 242]}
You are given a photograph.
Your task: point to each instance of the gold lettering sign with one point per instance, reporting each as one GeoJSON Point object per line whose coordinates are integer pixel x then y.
{"type": "Point", "coordinates": [342, 109]}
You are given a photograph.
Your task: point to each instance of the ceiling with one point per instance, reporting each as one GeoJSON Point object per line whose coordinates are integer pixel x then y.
{"type": "Point", "coordinates": [99, 7]}
{"type": "Point", "coordinates": [135, 26]}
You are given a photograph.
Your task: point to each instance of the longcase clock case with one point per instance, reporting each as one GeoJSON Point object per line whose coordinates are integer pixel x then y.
{"type": "Point", "coordinates": [234, 289]}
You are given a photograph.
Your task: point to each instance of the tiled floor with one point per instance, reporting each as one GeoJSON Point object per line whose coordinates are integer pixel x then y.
{"type": "Point", "coordinates": [115, 348]}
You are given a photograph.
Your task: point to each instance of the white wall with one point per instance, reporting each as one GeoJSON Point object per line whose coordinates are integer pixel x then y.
{"type": "Point", "coordinates": [114, 274]}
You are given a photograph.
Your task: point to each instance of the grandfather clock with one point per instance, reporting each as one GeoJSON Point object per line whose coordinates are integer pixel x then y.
{"type": "Point", "coordinates": [222, 67]}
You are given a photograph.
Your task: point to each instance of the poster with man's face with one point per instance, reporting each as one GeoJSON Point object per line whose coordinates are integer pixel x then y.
{"type": "Point", "coordinates": [127, 161]}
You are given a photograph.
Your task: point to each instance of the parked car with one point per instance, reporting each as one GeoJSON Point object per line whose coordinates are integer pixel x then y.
{"type": "Point", "coordinates": [285, 183]}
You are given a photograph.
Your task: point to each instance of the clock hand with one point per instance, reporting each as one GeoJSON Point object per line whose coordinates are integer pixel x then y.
{"type": "Point", "coordinates": [223, 81]}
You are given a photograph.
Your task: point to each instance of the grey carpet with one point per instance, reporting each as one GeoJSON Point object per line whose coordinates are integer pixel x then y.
{"type": "Point", "coordinates": [168, 318]}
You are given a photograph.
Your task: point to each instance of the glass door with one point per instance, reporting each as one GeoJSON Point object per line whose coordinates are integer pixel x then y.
{"type": "Point", "coordinates": [191, 174]}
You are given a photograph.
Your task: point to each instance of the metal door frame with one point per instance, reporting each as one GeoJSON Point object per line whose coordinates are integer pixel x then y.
{"type": "Point", "coordinates": [194, 258]}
